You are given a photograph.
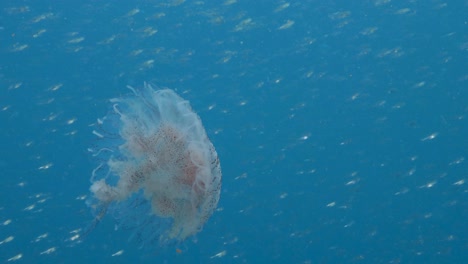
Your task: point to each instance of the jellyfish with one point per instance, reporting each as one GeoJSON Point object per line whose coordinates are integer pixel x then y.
{"type": "Point", "coordinates": [159, 175]}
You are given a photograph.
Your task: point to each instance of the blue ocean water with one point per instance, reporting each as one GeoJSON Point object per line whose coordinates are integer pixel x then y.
{"type": "Point", "coordinates": [340, 125]}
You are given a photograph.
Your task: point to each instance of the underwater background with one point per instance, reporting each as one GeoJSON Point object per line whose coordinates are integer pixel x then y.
{"type": "Point", "coordinates": [341, 126]}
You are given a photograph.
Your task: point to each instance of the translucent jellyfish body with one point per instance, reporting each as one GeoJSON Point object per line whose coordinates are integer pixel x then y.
{"type": "Point", "coordinates": [160, 174]}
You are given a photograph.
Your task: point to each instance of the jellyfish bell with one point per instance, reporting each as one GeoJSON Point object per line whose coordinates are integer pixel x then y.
{"type": "Point", "coordinates": [162, 177]}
